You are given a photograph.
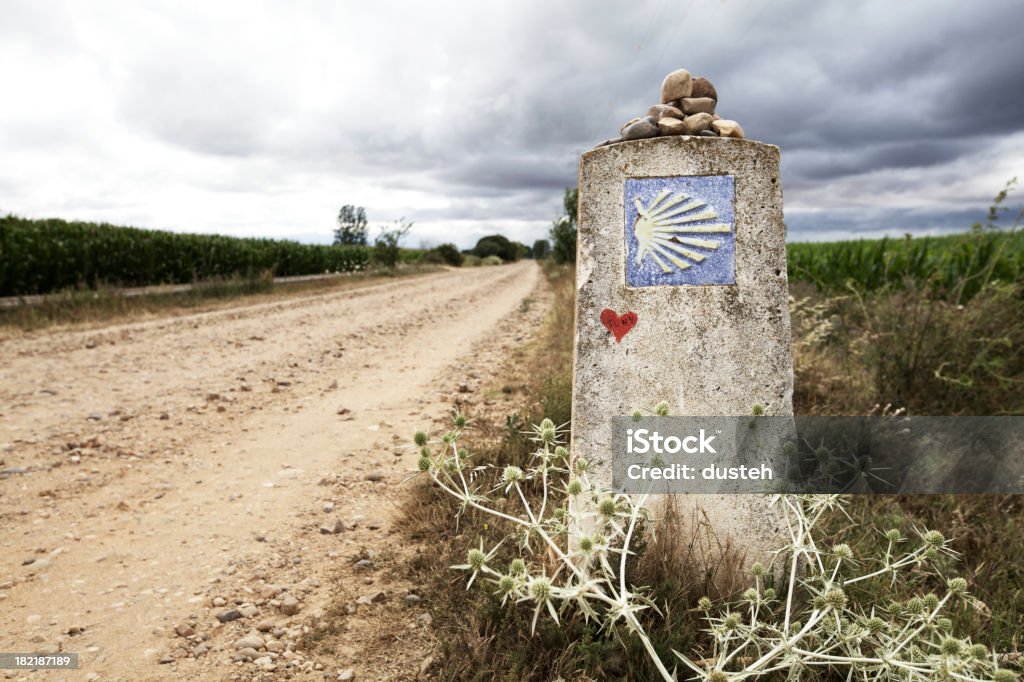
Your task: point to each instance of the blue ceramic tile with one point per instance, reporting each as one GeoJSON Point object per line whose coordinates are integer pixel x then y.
{"type": "Point", "coordinates": [683, 231]}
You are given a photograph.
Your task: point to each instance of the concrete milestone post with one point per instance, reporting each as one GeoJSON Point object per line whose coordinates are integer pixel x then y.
{"type": "Point", "coordinates": [682, 297]}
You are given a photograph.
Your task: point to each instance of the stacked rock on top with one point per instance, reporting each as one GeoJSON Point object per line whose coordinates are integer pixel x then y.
{"type": "Point", "coordinates": [687, 108]}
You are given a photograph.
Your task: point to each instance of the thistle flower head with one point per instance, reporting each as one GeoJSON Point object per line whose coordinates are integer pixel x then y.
{"type": "Point", "coordinates": [894, 607]}
{"type": "Point", "coordinates": [843, 551]}
{"type": "Point", "coordinates": [546, 432]}
{"type": "Point", "coordinates": [575, 487]}
{"type": "Point", "coordinates": [561, 452]}
{"type": "Point", "coordinates": [1004, 675]}
{"type": "Point", "coordinates": [757, 410]}
{"type": "Point", "coordinates": [979, 651]}
{"type": "Point", "coordinates": [425, 451]}
{"type": "Point", "coordinates": [757, 569]}
{"type": "Point", "coordinates": [511, 474]}
{"type": "Point", "coordinates": [424, 463]}
{"type": "Point", "coordinates": [661, 409]}
{"type": "Point", "coordinates": [732, 621]}
{"type": "Point", "coordinates": [580, 466]}
{"type": "Point", "coordinates": [957, 585]}
{"type": "Point", "coordinates": [836, 598]}
{"type": "Point", "coordinates": [934, 539]}
{"type": "Point", "coordinates": [892, 535]}
{"type": "Point", "coordinates": [476, 559]}
{"type": "Point", "coordinates": [460, 420]}
{"type": "Point", "coordinates": [769, 594]}
{"type": "Point", "coordinates": [637, 415]}
{"type": "Point", "coordinates": [506, 584]}
{"type": "Point", "coordinates": [607, 507]}
{"type": "Point", "coordinates": [517, 567]}
{"type": "Point", "coordinates": [875, 625]}
{"type": "Point", "coordinates": [539, 588]}
{"type": "Point", "coordinates": [704, 604]}
{"type": "Point", "coordinates": [420, 438]}
{"type": "Point", "coordinates": [915, 606]}
{"type": "Point", "coordinates": [951, 646]}
{"type": "Point", "coordinates": [586, 544]}
{"type": "Point", "coordinates": [718, 676]}
{"type": "Point", "coordinates": [930, 601]}
{"type": "Point", "coordinates": [751, 595]}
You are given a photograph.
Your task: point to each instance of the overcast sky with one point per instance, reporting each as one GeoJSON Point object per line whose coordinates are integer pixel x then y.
{"type": "Point", "coordinates": [468, 118]}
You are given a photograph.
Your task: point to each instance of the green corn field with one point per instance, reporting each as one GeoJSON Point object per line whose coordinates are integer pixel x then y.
{"type": "Point", "coordinates": [956, 264]}
{"type": "Point", "coordinates": [43, 256]}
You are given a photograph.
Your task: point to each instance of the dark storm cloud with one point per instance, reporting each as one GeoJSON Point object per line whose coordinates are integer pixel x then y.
{"type": "Point", "coordinates": [448, 113]}
{"type": "Point", "coordinates": [873, 223]}
{"type": "Point", "coordinates": [812, 165]}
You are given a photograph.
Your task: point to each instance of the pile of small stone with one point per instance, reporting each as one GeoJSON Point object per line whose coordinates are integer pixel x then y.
{"type": "Point", "coordinates": [687, 108]}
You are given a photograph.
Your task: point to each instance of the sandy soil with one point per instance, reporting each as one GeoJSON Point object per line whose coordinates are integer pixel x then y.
{"type": "Point", "coordinates": [236, 463]}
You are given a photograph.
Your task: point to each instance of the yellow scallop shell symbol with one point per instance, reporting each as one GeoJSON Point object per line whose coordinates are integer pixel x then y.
{"type": "Point", "coordinates": [661, 230]}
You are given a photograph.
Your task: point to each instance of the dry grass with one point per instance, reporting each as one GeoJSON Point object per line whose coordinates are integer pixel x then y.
{"type": "Point", "coordinates": [905, 348]}
{"type": "Point", "coordinates": [857, 353]}
{"type": "Point", "coordinates": [482, 640]}
{"type": "Point", "coordinates": [86, 308]}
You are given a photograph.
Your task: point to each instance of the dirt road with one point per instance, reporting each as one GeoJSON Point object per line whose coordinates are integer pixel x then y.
{"type": "Point", "coordinates": [160, 477]}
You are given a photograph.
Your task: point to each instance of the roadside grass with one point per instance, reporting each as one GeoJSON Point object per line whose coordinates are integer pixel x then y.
{"type": "Point", "coordinates": [98, 306]}
{"type": "Point", "coordinates": [482, 640]}
{"type": "Point", "coordinates": [857, 352]}
{"type": "Point", "coordinates": [479, 638]}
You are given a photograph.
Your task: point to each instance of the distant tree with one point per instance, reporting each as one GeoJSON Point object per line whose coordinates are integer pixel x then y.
{"type": "Point", "coordinates": [522, 250]}
{"type": "Point", "coordinates": [386, 249]}
{"type": "Point", "coordinates": [541, 248]}
{"type": "Point", "coordinates": [351, 225]}
{"type": "Point", "coordinates": [448, 254]}
{"type": "Point", "coordinates": [496, 245]}
{"type": "Point", "coordinates": [563, 231]}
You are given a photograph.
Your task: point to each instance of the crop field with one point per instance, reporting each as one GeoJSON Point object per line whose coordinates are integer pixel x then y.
{"type": "Point", "coordinates": [945, 264]}
{"type": "Point", "coordinates": [43, 256]}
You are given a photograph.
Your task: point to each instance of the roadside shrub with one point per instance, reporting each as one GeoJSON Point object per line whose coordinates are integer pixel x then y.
{"type": "Point", "coordinates": [541, 248]}
{"type": "Point", "coordinates": [497, 245]}
{"type": "Point", "coordinates": [386, 251]}
{"type": "Point", "coordinates": [563, 230]}
{"type": "Point", "coordinates": [411, 256]}
{"type": "Point", "coordinates": [492, 260]}
{"type": "Point", "coordinates": [448, 254]}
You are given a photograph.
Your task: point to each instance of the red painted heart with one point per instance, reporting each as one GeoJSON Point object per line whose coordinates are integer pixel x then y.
{"type": "Point", "coordinates": [618, 325]}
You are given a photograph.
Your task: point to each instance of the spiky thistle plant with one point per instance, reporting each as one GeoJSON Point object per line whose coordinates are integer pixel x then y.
{"type": "Point", "coordinates": [574, 554]}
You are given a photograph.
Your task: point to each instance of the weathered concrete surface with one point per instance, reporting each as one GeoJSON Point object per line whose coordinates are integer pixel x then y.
{"type": "Point", "coordinates": [706, 349]}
